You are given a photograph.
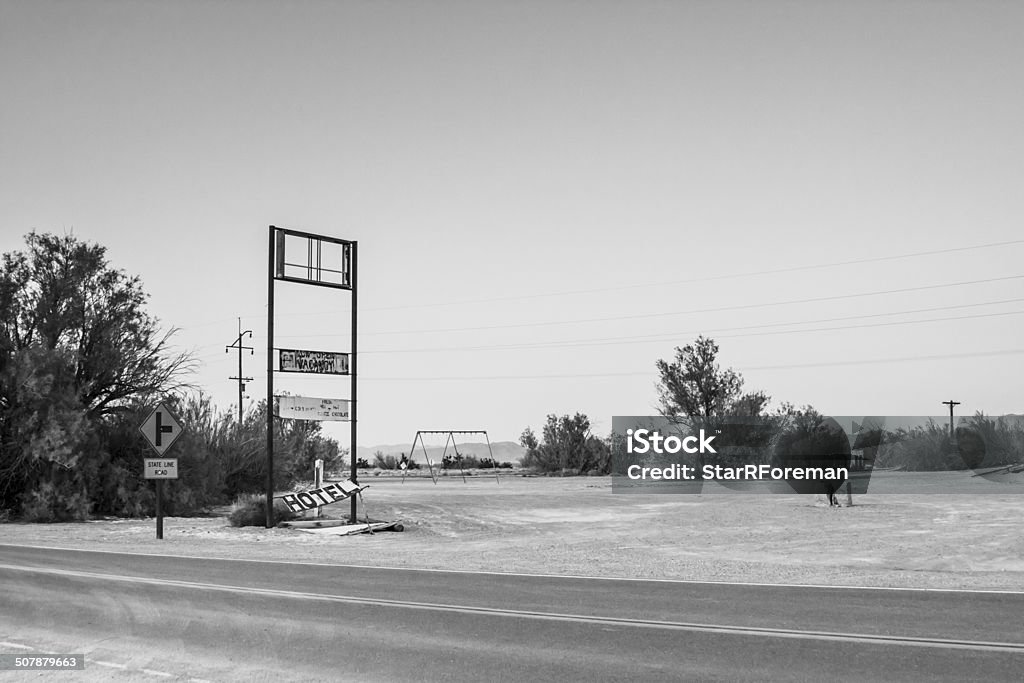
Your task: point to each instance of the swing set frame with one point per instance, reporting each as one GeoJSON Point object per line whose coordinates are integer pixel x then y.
{"type": "Point", "coordinates": [453, 443]}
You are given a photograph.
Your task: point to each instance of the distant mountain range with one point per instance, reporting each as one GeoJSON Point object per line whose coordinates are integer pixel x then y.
{"type": "Point", "coordinates": [504, 451]}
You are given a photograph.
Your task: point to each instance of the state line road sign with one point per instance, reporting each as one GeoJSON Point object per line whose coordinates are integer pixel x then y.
{"type": "Point", "coordinates": [161, 429]}
{"type": "Point", "coordinates": [160, 469]}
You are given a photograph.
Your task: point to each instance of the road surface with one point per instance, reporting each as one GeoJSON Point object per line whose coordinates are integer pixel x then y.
{"type": "Point", "coordinates": [146, 617]}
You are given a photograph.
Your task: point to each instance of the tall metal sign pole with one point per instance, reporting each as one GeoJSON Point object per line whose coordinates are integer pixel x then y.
{"type": "Point", "coordinates": [270, 379]}
{"type": "Point", "coordinates": [307, 258]}
{"type": "Point", "coordinates": [352, 370]}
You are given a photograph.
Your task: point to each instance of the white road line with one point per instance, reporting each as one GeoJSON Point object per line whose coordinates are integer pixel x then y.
{"type": "Point", "coordinates": [17, 645]}
{"type": "Point", "coordinates": [911, 641]}
{"type": "Point", "coordinates": [696, 582]}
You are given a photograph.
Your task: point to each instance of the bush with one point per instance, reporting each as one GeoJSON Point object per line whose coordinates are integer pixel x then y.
{"type": "Point", "coordinates": [385, 462]}
{"type": "Point", "coordinates": [55, 503]}
{"type": "Point", "coordinates": [390, 462]}
{"type": "Point", "coordinates": [566, 446]}
{"type": "Point", "coordinates": [250, 509]}
{"type": "Point", "coordinates": [450, 462]}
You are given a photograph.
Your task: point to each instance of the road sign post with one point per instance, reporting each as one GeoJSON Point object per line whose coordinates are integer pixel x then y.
{"type": "Point", "coordinates": [159, 509]}
{"type": "Point", "coordinates": [161, 430]}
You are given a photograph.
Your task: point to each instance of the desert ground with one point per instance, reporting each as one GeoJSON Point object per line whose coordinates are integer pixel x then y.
{"type": "Point", "coordinates": [577, 526]}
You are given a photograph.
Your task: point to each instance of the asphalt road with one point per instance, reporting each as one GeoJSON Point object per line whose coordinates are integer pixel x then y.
{"type": "Point", "coordinates": [139, 617]}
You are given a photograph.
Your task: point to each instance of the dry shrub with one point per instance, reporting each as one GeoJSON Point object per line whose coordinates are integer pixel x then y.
{"type": "Point", "coordinates": [250, 509]}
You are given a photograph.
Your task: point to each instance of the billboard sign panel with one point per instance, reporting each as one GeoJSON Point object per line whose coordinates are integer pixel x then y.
{"type": "Point", "coordinates": [307, 408]}
{"type": "Point", "coordinates": [316, 362]}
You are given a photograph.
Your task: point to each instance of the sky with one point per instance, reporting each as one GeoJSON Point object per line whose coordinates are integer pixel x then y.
{"type": "Point", "coordinates": [548, 197]}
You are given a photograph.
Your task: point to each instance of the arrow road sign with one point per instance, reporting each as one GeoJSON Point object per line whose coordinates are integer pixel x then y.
{"type": "Point", "coordinates": [161, 429]}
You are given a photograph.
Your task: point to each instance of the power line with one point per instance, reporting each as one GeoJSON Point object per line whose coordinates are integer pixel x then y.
{"type": "Point", "coordinates": [718, 309]}
{"type": "Point", "coordinates": [711, 278]}
{"type": "Point", "coordinates": [794, 366]}
{"type": "Point", "coordinates": [668, 336]}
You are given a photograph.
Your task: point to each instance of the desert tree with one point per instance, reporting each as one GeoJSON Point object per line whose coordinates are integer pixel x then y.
{"type": "Point", "coordinates": [694, 386]}
{"type": "Point", "coordinates": [695, 392]}
{"type": "Point", "coordinates": [76, 346]}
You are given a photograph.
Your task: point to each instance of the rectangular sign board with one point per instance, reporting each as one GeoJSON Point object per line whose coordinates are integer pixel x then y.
{"type": "Point", "coordinates": [316, 362]}
{"type": "Point", "coordinates": [307, 408]}
{"type": "Point", "coordinates": [160, 468]}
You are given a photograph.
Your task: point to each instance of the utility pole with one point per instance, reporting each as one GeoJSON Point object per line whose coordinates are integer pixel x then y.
{"type": "Point", "coordinates": [951, 404]}
{"type": "Point", "coordinates": [241, 380]}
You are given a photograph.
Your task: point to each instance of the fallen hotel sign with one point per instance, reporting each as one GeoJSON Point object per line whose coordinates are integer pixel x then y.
{"type": "Point", "coordinates": [310, 500]}
{"type": "Point", "coordinates": [306, 408]}
{"type": "Point", "coordinates": [316, 362]}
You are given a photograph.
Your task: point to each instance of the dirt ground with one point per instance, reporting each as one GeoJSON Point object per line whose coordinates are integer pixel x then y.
{"type": "Point", "coordinates": [577, 526]}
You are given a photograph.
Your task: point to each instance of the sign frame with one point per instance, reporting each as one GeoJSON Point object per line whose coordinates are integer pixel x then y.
{"type": "Point", "coordinates": [311, 272]}
{"type": "Point", "coordinates": [314, 265]}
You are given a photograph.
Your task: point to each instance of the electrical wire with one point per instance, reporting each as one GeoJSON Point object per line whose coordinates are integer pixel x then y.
{"type": "Point", "coordinates": [792, 366]}
{"type": "Point", "coordinates": [711, 278]}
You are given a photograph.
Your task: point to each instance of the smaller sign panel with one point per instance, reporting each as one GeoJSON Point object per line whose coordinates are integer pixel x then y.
{"type": "Point", "coordinates": [307, 408]}
{"type": "Point", "coordinates": [316, 362]}
{"type": "Point", "coordinates": [308, 500]}
{"type": "Point", "coordinates": [161, 429]}
{"type": "Point", "coordinates": [165, 468]}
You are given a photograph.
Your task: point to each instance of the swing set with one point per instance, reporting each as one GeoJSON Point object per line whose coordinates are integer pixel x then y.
{"type": "Point", "coordinates": [449, 441]}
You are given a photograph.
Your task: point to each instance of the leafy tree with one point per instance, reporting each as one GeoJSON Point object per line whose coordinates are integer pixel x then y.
{"type": "Point", "coordinates": [76, 349]}
{"type": "Point", "coordinates": [695, 392]}
{"type": "Point", "coordinates": [61, 296]}
{"type": "Point", "coordinates": [693, 386]}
